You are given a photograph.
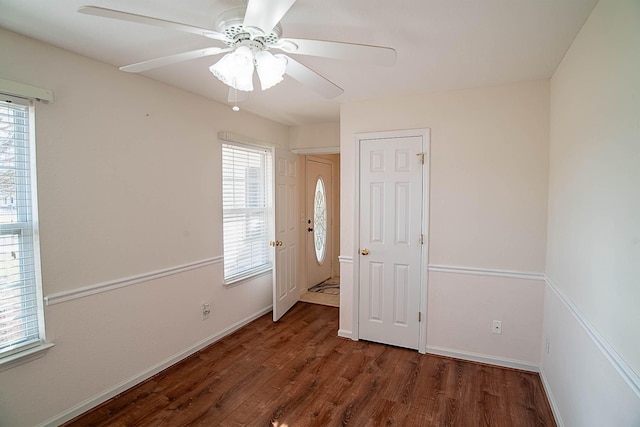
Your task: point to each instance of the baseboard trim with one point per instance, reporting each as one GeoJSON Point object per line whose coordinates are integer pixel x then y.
{"type": "Point", "coordinates": [345, 334]}
{"type": "Point", "coordinates": [552, 401]}
{"type": "Point", "coordinates": [625, 371]}
{"type": "Point", "coordinates": [486, 272]}
{"type": "Point", "coordinates": [99, 288]}
{"type": "Point", "coordinates": [127, 384]}
{"type": "Point", "coordinates": [483, 358]}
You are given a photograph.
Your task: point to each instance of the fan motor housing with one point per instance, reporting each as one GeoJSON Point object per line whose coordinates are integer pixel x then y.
{"type": "Point", "coordinates": [230, 23]}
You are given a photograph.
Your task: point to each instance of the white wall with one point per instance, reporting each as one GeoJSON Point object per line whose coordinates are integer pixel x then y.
{"type": "Point", "coordinates": [129, 183]}
{"type": "Point", "coordinates": [488, 194]}
{"type": "Point", "coordinates": [593, 255]}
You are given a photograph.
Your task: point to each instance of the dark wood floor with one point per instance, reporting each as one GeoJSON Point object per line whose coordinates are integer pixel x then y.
{"type": "Point", "coordinates": [297, 372]}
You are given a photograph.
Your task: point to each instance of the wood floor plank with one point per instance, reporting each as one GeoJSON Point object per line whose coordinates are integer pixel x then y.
{"type": "Point", "coordinates": [297, 372]}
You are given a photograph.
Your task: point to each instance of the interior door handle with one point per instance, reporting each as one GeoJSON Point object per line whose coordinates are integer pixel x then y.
{"type": "Point", "coordinates": [309, 229]}
{"type": "Point", "coordinates": [365, 251]}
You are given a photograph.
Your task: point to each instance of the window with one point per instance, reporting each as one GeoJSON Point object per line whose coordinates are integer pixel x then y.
{"type": "Point", "coordinates": [320, 220]}
{"type": "Point", "coordinates": [246, 203]}
{"type": "Point", "coordinates": [21, 319]}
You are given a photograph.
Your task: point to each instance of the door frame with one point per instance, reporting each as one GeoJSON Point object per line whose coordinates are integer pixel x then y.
{"type": "Point", "coordinates": [425, 134]}
{"type": "Point", "coordinates": [306, 196]}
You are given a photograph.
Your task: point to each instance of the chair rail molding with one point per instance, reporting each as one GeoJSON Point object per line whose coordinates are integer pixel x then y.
{"type": "Point", "coordinates": [70, 295]}
{"type": "Point", "coordinates": [486, 272]}
{"type": "Point", "coordinates": [629, 376]}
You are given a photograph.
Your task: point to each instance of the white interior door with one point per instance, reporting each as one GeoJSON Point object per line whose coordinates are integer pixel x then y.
{"type": "Point", "coordinates": [391, 191]}
{"type": "Point", "coordinates": [319, 221]}
{"type": "Point", "coordinates": [285, 292]}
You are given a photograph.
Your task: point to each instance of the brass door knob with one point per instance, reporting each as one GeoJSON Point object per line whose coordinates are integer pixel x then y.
{"type": "Point", "coordinates": [278, 242]}
{"type": "Point", "coordinates": [365, 251]}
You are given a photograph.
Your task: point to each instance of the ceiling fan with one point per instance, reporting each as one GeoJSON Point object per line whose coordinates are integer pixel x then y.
{"type": "Point", "coordinates": [249, 35]}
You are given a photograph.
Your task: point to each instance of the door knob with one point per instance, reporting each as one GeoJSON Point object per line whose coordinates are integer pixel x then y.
{"type": "Point", "coordinates": [278, 242]}
{"type": "Point", "coordinates": [365, 251]}
{"type": "Point", "coordinates": [309, 229]}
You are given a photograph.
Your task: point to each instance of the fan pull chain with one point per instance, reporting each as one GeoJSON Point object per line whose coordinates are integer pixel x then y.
{"type": "Point", "coordinates": [235, 100]}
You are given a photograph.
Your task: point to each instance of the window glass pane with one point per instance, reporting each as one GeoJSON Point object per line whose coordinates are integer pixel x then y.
{"type": "Point", "coordinates": [320, 220]}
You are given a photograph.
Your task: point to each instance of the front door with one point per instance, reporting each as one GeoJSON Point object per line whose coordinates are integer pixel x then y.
{"type": "Point", "coordinates": [285, 292]}
{"type": "Point", "coordinates": [390, 246]}
{"type": "Point", "coordinates": [319, 221]}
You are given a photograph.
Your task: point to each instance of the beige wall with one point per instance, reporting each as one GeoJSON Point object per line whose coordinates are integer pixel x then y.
{"type": "Point", "coordinates": [488, 193]}
{"type": "Point", "coordinates": [594, 200]}
{"type": "Point", "coordinates": [120, 155]}
{"type": "Point", "coordinates": [318, 137]}
{"type": "Point", "coordinates": [129, 183]}
{"type": "Point", "coordinates": [593, 253]}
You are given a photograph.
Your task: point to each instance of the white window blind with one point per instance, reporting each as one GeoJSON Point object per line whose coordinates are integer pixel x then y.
{"type": "Point", "coordinates": [246, 199]}
{"type": "Point", "coordinates": [20, 293]}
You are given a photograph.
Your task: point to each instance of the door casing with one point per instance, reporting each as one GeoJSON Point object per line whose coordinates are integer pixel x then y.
{"type": "Point", "coordinates": [426, 144]}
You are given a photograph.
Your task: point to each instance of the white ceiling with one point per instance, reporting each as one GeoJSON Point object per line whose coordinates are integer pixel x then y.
{"type": "Point", "coordinates": [440, 44]}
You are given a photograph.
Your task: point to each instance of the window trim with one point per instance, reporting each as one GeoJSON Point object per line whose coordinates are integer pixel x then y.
{"type": "Point", "coordinates": [34, 349]}
{"type": "Point", "coordinates": [27, 354]}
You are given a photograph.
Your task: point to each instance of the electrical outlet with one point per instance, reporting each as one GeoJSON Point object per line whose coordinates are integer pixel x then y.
{"type": "Point", "coordinates": [206, 310]}
{"type": "Point", "coordinates": [497, 327]}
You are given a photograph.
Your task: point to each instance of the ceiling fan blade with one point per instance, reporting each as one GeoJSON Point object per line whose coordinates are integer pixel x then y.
{"type": "Point", "coordinates": [264, 15]}
{"type": "Point", "coordinates": [348, 51]}
{"type": "Point", "coordinates": [237, 95]}
{"type": "Point", "coordinates": [141, 19]}
{"type": "Point", "coordinates": [315, 81]}
{"type": "Point", "coordinates": [172, 59]}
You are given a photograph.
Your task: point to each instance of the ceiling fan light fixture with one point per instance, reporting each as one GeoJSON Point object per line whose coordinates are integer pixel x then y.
{"type": "Point", "coordinates": [270, 68]}
{"type": "Point", "coordinates": [235, 69]}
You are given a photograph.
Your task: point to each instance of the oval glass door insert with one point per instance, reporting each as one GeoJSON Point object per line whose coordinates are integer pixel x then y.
{"type": "Point", "coordinates": [320, 220]}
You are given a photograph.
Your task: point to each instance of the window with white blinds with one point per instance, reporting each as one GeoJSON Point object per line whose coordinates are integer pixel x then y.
{"type": "Point", "coordinates": [246, 205]}
{"type": "Point", "coordinates": [20, 284]}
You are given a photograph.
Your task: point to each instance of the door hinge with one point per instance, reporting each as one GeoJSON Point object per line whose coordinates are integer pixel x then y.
{"type": "Point", "coordinates": [419, 316]}
{"type": "Point", "coordinates": [421, 239]}
{"type": "Point", "coordinates": [421, 155]}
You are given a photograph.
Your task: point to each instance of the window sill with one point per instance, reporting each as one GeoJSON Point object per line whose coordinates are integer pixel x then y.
{"type": "Point", "coordinates": [25, 356]}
